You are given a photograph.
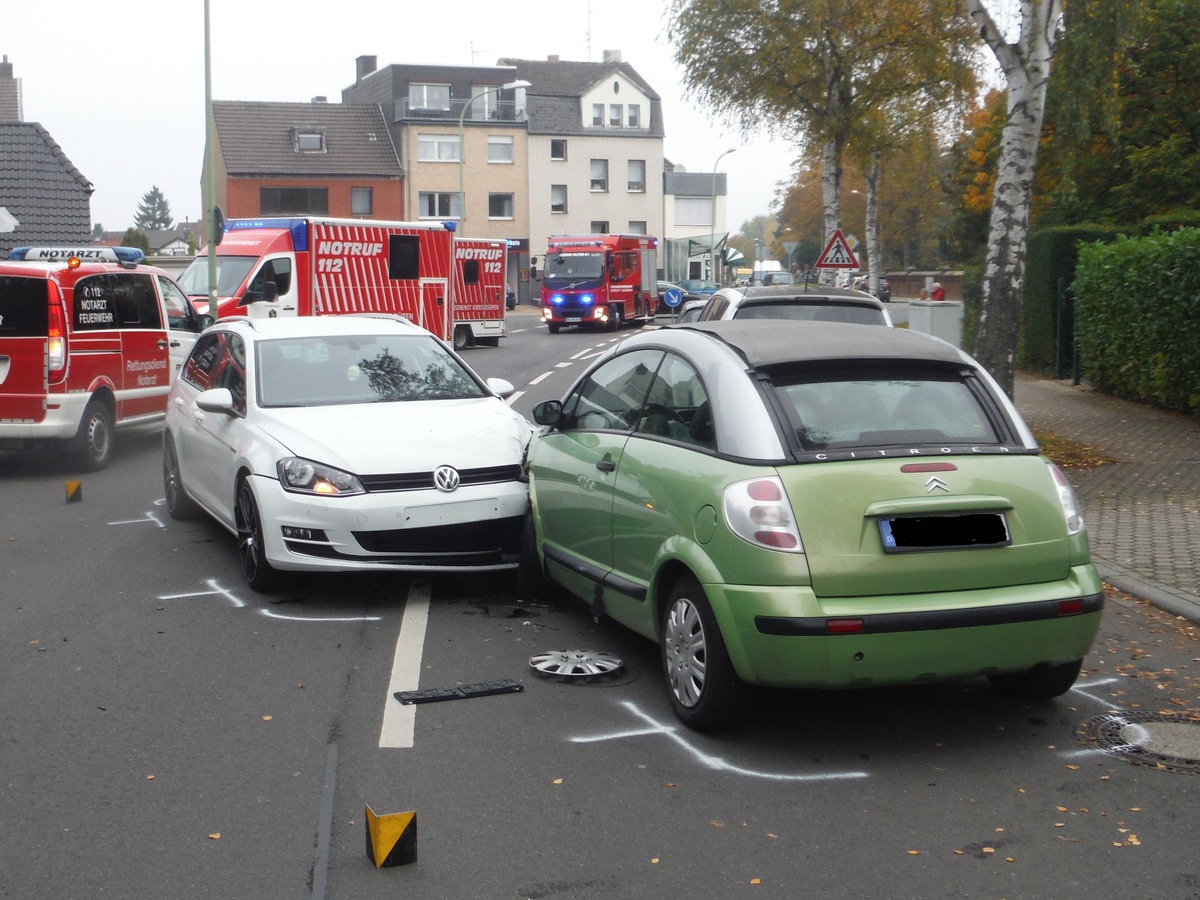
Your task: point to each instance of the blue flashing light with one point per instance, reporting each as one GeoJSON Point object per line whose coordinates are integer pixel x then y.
{"type": "Point", "coordinates": [127, 255]}
{"type": "Point", "coordinates": [586, 299]}
{"type": "Point", "coordinates": [556, 299]}
{"type": "Point", "coordinates": [450, 226]}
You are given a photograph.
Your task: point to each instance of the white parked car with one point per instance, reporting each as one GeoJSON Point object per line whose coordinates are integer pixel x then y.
{"type": "Point", "coordinates": [338, 443]}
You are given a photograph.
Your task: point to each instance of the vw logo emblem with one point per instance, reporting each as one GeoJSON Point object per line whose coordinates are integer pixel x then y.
{"type": "Point", "coordinates": [445, 478]}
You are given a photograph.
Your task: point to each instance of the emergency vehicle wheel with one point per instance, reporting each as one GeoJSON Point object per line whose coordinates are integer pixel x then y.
{"type": "Point", "coordinates": [553, 326]}
{"type": "Point", "coordinates": [179, 504]}
{"type": "Point", "coordinates": [260, 574]}
{"type": "Point", "coordinates": [94, 442]}
{"type": "Point", "coordinates": [462, 337]}
{"type": "Point", "coordinates": [614, 318]}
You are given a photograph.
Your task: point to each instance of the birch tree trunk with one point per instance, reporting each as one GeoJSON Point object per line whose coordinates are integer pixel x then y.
{"type": "Point", "coordinates": [872, 223]}
{"type": "Point", "coordinates": [831, 177]}
{"type": "Point", "coordinates": [1026, 68]}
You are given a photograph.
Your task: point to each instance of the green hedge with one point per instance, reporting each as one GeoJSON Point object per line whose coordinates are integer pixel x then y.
{"type": "Point", "coordinates": [1051, 256]}
{"type": "Point", "coordinates": [1138, 317]}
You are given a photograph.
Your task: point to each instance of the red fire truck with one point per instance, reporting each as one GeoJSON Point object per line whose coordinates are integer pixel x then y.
{"type": "Point", "coordinates": [451, 286]}
{"type": "Point", "coordinates": [602, 280]}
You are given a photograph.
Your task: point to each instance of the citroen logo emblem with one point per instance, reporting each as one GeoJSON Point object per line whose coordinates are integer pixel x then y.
{"type": "Point", "coordinates": [936, 484]}
{"type": "Point", "coordinates": [445, 479]}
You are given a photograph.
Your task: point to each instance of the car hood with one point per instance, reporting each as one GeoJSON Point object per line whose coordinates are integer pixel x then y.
{"type": "Point", "coordinates": [409, 436]}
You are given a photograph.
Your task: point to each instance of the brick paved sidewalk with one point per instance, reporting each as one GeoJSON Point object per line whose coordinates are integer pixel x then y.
{"type": "Point", "coordinates": [1142, 510]}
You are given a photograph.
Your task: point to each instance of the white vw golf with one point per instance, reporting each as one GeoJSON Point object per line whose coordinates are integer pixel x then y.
{"type": "Point", "coordinates": [338, 443]}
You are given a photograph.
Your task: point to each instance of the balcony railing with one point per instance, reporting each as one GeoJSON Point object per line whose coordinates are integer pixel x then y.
{"type": "Point", "coordinates": [502, 111]}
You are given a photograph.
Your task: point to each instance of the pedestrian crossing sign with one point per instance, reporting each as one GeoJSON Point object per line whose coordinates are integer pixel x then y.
{"type": "Point", "coordinates": [837, 254]}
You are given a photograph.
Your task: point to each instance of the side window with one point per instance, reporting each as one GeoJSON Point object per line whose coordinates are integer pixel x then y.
{"type": "Point", "coordinates": [231, 370]}
{"type": "Point", "coordinates": [278, 270]}
{"type": "Point", "coordinates": [136, 301]}
{"type": "Point", "coordinates": [714, 308]}
{"type": "Point", "coordinates": [612, 397]}
{"type": "Point", "coordinates": [94, 304]}
{"type": "Point", "coordinates": [677, 406]}
{"type": "Point", "coordinates": [180, 316]}
{"type": "Point", "coordinates": [201, 363]}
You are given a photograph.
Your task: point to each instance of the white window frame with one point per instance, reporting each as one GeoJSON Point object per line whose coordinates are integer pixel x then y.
{"type": "Point", "coordinates": [636, 180]}
{"type": "Point", "coordinates": [635, 115]}
{"type": "Point", "coordinates": [558, 197]}
{"type": "Point", "coordinates": [502, 144]}
{"type": "Point", "coordinates": [444, 147]}
{"type": "Point", "coordinates": [616, 115]}
{"type": "Point", "coordinates": [510, 204]}
{"type": "Point", "coordinates": [561, 142]}
{"type": "Point", "coordinates": [420, 95]}
{"type": "Point", "coordinates": [437, 200]}
{"type": "Point", "coordinates": [598, 115]}
{"type": "Point", "coordinates": [692, 211]}
{"type": "Point", "coordinates": [598, 184]}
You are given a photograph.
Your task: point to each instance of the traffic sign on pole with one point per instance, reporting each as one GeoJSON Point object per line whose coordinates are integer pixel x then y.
{"type": "Point", "coordinates": [837, 254]}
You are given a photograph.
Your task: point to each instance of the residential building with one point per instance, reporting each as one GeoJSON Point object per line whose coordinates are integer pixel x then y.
{"type": "Point", "coordinates": [44, 199]}
{"type": "Point", "coordinates": [318, 158]}
{"type": "Point", "coordinates": [595, 149]}
{"type": "Point", "coordinates": [694, 205]}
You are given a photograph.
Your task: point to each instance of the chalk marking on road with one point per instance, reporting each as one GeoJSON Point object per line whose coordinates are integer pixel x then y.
{"type": "Point", "coordinates": [1079, 689]}
{"type": "Point", "coordinates": [706, 759]}
{"type": "Point", "coordinates": [275, 615]}
{"type": "Point", "coordinates": [146, 517]}
{"type": "Point", "coordinates": [399, 721]}
{"type": "Point", "coordinates": [216, 589]}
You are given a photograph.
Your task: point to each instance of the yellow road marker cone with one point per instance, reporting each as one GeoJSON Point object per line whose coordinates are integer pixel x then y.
{"type": "Point", "coordinates": [391, 838]}
{"type": "Point", "coordinates": [74, 491]}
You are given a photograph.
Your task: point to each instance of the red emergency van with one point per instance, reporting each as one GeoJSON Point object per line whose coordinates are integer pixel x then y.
{"type": "Point", "coordinates": [453, 287]}
{"type": "Point", "coordinates": [90, 341]}
{"type": "Point", "coordinates": [602, 280]}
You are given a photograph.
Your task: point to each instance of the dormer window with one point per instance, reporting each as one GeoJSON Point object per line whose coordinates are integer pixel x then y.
{"type": "Point", "coordinates": [308, 141]}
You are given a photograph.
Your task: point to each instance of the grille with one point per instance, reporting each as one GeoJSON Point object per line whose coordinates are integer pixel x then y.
{"type": "Point", "coordinates": [421, 481]}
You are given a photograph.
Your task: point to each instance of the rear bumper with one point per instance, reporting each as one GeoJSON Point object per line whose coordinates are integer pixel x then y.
{"type": "Point", "coordinates": [906, 639]}
{"type": "Point", "coordinates": [63, 413]}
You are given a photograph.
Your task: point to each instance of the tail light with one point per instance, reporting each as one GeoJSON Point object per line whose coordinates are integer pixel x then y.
{"type": "Point", "coordinates": [56, 334]}
{"type": "Point", "coordinates": [758, 511]}
{"type": "Point", "coordinates": [1070, 503]}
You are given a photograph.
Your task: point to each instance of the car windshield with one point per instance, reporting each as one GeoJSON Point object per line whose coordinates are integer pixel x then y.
{"type": "Point", "coordinates": [563, 267]}
{"type": "Point", "coordinates": [231, 272]}
{"type": "Point", "coordinates": [816, 312]}
{"type": "Point", "coordinates": [334, 370]}
{"type": "Point", "coordinates": [849, 412]}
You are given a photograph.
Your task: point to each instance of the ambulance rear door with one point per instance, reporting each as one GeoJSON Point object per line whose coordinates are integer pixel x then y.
{"type": "Point", "coordinates": [24, 338]}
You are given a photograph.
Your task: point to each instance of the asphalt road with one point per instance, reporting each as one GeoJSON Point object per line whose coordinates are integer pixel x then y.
{"type": "Point", "coordinates": [166, 732]}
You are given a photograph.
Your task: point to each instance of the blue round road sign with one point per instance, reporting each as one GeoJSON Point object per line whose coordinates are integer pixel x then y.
{"type": "Point", "coordinates": [673, 297]}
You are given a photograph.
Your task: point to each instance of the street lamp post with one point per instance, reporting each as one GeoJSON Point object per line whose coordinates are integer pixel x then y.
{"type": "Point", "coordinates": [462, 198]}
{"type": "Point", "coordinates": [712, 234]}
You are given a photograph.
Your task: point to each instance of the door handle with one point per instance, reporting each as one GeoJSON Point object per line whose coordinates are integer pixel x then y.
{"type": "Point", "coordinates": [606, 465]}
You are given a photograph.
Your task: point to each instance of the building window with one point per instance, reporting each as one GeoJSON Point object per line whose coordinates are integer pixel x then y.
{"type": "Point", "coordinates": [437, 205]}
{"type": "Point", "coordinates": [429, 96]}
{"type": "Point", "coordinates": [558, 198]}
{"type": "Point", "coordinates": [636, 227]}
{"type": "Point", "coordinates": [293, 201]}
{"type": "Point", "coordinates": [637, 175]}
{"type": "Point", "coordinates": [599, 175]}
{"type": "Point", "coordinates": [599, 226]}
{"type": "Point", "coordinates": [616, 115]}
{"type": "Point", "coordinates": [308, 141]}
{"type": "Point", "coordinates": [635, 115]}
{"type": "Point", "coordinates": [485, 101]}
{"type": "Point", "coordinates": [500, 206]}
{"type": "Point", "coordinates": [693, 211]}
{"type": "Point", "coordinates": [598, 114]}
{"type": "Point", "coordinates": [437, 148]}
{"type": "Point", "coordinates": [558, 148]}
{"type": "Point", "coordinates": [362, 201]}
{"type": "Point", "coordinates": [500, 148]}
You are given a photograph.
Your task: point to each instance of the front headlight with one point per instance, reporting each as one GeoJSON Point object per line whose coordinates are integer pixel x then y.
{"type": "Point", "coordinates": [303, 476]}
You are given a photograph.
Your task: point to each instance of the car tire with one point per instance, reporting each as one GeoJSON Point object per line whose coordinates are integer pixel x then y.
{"type": "Point", "coordinates": [258, 571]}
{"type": "Point", "coordinates": [179, 504]}
{"type": "Point", "coordinates": [93, 444]}
{"type": "Point", "coordinates": [703, 687]}
{"type": "Point", "coordinates": [1040, 683]}
{"type": "Point", "coordinates": [462, 337]}
{"type": "Point", "coordinates": [553, 327]}
{"type": "Point", "coordinates": [614, 318]}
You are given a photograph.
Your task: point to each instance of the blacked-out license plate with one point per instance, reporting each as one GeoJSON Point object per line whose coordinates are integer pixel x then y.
{"type": "Point", "coordinates": [952, 532]}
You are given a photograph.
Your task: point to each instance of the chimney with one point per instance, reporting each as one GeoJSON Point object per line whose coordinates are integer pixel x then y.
{"type": "Point", "coordinates": [363, 66]}
{"type": "Point", "coordinates": [612, 56]}
{"type": "Point", "coordinates": [320, 99]}
{"type": "Point", "coordinates": [552, 58]}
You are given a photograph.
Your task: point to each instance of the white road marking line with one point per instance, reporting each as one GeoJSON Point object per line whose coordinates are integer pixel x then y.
{"type": "Point", "coordinates": [706, 759]}
{"type": "Point", "coordinates": [540, 378]}
{"type": "Point", "coordinates": [275, 615]}
{"type": "Point", "coordinates": [399, 721]}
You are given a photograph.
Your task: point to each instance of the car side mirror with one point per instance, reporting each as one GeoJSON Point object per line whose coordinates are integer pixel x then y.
{"type": "Point", "coordinates": [216, 400]}
{"type": "Point", "coordinates": [548, 412]}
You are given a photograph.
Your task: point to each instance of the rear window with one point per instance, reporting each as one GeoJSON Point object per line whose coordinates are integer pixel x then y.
{"type": "Point", "coordinates": [852, 412]}
{"type": "Point", "coordinates": [23, 307]}
{"type": "Point", "coordinates": [814, 312]}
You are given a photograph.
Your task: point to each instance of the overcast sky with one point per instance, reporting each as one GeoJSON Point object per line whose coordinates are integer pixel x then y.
{"type": "Point", "coordinates": [120, 86]}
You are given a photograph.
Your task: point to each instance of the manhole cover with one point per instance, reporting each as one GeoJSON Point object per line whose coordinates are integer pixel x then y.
{"type": "Point", "coordinates": [1151, 739]}
{"type": "Point", "coordinates": [572, 664]}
